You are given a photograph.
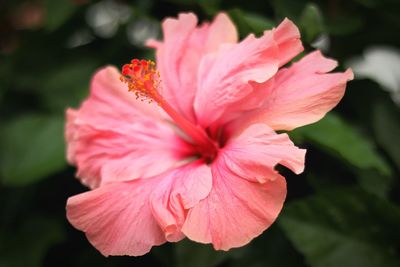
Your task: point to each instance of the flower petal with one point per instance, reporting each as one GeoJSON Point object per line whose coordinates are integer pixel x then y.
{"type": "Point", "coordinates": [110, 102]}
{"type": "Point", "coordinates": [235, 211]}
{"type": "Point", "coordinates": [117, 217]}
{"type": "Point", "coordinates": [257, 150]}
{"type": "Point", "coordinates": [287, 37]}
{"type": "Point", "coordinates": [178, 56]}
{"type": "Point", "coordinates": [128, 218]}
{"type": "Point", "coordinates": [225, 77]}
{"type": "Point", "coordinates": [113, 136]}
{"type": "Point", "coordinates": [301, 94]}
{"type": "Point", "coordinates": [179, 191]}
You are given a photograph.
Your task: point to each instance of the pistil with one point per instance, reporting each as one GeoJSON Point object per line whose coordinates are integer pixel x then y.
{"type": "Point", "coordinates": [142, 78]}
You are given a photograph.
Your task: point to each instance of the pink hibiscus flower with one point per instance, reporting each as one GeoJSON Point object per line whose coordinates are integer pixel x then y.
{"type": "Point", "coordinates": [200, 161]}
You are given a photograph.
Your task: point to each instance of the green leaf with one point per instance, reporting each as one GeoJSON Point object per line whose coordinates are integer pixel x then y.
{"type": "Point", "coordinates": [344, 24]}
{"type": "Point", "coordinates": [250, 23]}
{"type": "Point", "coordinates": [369, 3]}
{"type": "Point", "coordinates": [29, 244]}
{"type": "Point", "coordinates": [311, 22]}
{"type": "Point", "coordinates": [32, 147]}
{"type": "Point", "coordinates": [386, 125]}
{"type": "Point", "coordinates": [193, 254]}
{"type": "Point", "coordinates": [288, 8]}
{"type": "Point", "coordinates": [374, 182]}
{"type": "Point", "coordinates": [209, 6]}
{"type": "Point", "coordinates": [342, 140]}
{"type": "Point", "coordinates": [166, 254]}
{"type": "Point", "coordinates": [57, 13]}
{"type": "Point", "coordinates": [344, 228]}
{"type": "Point", "coordinates": [59, 90]}
{"type": "Point", "coordinates": [272, 248]}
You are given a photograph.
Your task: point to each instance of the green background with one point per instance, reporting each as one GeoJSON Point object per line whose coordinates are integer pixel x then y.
{"type": "Point", "coordinates": [342, 211]}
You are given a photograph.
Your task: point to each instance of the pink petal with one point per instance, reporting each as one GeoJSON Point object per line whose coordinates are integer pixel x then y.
{"type": "Point", "coordinates": [287, 37]}
{"type": "Point", "coordinates": [113, 136]}
{"type": "Point", "coordinates": [128, 218]}
{"type": "Point", "coordinates": [179, 191]}
{"type": "Point", "coordinates": [235, 211]}
{"type": "Point", "coordinates": [178, 56]}
{"type": "Point", "coordinates": [257, 150]}
{"type": "Point", "coordinates": [221, 31]}
{"type": "Point", "coordinates": [250, 102]}
{"type": "Point", "coordinates": [110, 102]}
{"type": "Point", "coordinates": [225, 77]}
{"type": "Point", "coordinates": [302, 94]}
{"type": "Point", "coordinates": [117, 217]}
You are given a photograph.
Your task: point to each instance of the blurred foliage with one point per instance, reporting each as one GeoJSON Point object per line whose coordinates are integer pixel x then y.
{"type": "Point", "coordinates": [346, 227]}
{"type": "Point", "coordinates": [30, 244]}
{"type": "Point", "coordinates": [344, 141]}
{"type": "Point", "coordinates": [343, 211]}
{"type": "Point", "coordinates": [198, 255]}
{"type": "Point", "coordinates": [21, 164]}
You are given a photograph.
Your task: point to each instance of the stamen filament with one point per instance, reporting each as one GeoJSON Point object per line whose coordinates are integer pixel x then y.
{"type": "Point", "coordinates": [197, 134]}
{"type": "Point", "coordinates": [142, 78]}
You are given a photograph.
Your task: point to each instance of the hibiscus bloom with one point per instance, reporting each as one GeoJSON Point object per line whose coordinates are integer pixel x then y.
{"type": "Point", "coordinates": [199, 162]}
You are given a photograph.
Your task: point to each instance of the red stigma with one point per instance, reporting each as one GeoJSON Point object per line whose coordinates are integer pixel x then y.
{"type": "Point", "coordinates": [142, 78]}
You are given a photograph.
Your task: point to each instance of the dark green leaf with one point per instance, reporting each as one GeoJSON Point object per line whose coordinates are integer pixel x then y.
{"type": "Point", "coordinates": [344, 228]}
{"type": "Point", "coordinates": [386, 124]}
{"type": "Point", "coordinates": [29, 245]}
{"type": "Point", "coordinates": [343, 140]}
{"type": "Point", "coordinates": [210, 6]}
{"type": "Point", "coordinates": [288, 8]}
{"type": "Point", "coordinates": [374, 182]}
{"type": "Point", "coordinates": [311, 22]}
{"type": "Point", "coordinates": [32, 147]}
{"type": "Point", "coordinates": [344, 24]}
{"type": "Point", "coordinates": [193, 254]}
{"type": "Point", "coordinates": [57, 12]}
{"type": "Point", "coordinates": [166, 254]}
{"type": "Point", "coordinates": [59, 90]}
{"type": "Point", "coordinates": [272, 248]}
{"type": "Point", "coordinates": [369, 3]}
{"type": "Point", "coordinates": [250, 23]}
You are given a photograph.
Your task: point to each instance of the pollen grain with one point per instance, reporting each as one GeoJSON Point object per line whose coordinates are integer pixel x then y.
{"type": "Point", "coordinates": [142, 78]}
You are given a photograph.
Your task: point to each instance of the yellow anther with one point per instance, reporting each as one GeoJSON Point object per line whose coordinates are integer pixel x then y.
{"type": "Point", "coordinates": [142, 77]}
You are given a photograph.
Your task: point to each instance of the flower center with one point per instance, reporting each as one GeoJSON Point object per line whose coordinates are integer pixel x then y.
{"type": "Point", "coordinates": [143, 79]}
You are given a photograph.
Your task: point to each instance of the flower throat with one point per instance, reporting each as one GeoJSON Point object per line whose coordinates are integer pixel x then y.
{"type": "Point", "coordinates": [143, 79]}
